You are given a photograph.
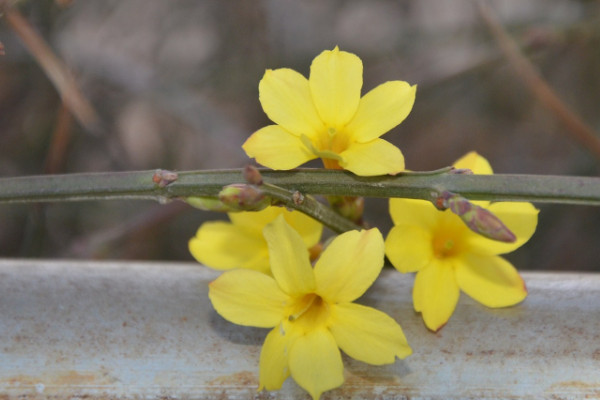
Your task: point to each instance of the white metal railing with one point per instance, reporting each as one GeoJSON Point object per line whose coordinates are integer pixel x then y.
{"type": "Point", "coordinates": [74, 329]}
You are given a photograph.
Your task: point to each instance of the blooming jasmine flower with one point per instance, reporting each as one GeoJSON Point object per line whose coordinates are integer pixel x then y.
{"type": "Point", "coordinates": [326, 117]}
{"type": "Point", "coordinates": [311, 310]}
{"type": "Point", "coordinates": [449, 258]}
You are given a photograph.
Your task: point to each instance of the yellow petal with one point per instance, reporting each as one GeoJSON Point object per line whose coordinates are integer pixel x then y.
{"type": "Point", "coordinates": [476, 163]}
{"type": "Point", "coordinates": [289, 258]}
{"type": "Point", "coordinates": [255, 221]}
{"type": "Point", "coordinates": [491, 280]}
{"type": "Point", "coordinates": [274, 368]}
{"type": "Point", "coordinates": [380, 110]}
{"type": "Point", "coordinates": [335, 83]}
{"type": "Point", "coordinates": [413, 212]}
{"type": "Point", "coordinates": [521, 218]}
{"type": "Point", "coordinates": [221, 245]}
{"type": "Point", "coordinates": [349, 265]}
{"type": "Point", "coordinates": [309, 229]}
{"type": "Point", "coordinates": [276, 148]}
{"type": "Point", "coordinates": [367, 334]}
{"type": "Point", "coordinates": [248, 298]}
{"type": "Point", "coordinates": [376, 157]}
{"type": "Point", "coordinates": [316, 362]}
{"type": "Point", "coordinates": [435, 293]}
{"type": "Point", "coordinates": [285, 97]}
{"type": "Point", "coordinates": [409, 247]}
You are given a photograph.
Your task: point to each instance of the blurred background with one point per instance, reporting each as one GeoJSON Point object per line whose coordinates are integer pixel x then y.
{"type": "Point", "coordinates": [174, 85]}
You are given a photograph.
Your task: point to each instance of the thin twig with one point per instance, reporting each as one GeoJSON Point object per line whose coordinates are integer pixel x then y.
{"type": "Point", "coordinates": [310, 206]}
{"type": "Point", "coordinates": [534, 82]}
{"type": "Point", "coordinates": [54, 68]}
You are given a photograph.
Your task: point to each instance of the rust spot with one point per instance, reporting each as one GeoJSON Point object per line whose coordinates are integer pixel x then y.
{"type": "Point", "coordinates": [63, 378]}
{"type": "Point", "coordinates": [589, 389]}
{"type": "Point", "coordinates": [244, 378]}
{"type": "Point", "coordinates": [21, 380]}
{"type": "Point", "coordinates": [577, 384]}
{"type": "Point", "coordinates": [74, 378]}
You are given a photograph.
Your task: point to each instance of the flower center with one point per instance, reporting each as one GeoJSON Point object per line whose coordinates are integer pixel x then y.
{"type": "Point", "coordinates": [447, 241]}
{"type": "Point", "coordinates": [331, 144]}
{"type": "Point", "coordinates": [309, 311]}
{"type": "Point", "coordinates": [444, 247]}
{"type": "Point", "coordinates": [335, 141]}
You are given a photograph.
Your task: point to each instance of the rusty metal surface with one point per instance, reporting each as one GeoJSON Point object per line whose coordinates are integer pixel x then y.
{"type": "Point", "coordinates": [147, 331]}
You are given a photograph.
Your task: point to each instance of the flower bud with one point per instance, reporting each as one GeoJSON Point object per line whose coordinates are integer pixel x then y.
{"type": "Point", "coordinates": [163, 177]}
{"type": "Point", "coordinates": [243, 197]}
{"type": "Point", "coordinates": [252, 175]}
{"type": "Point", "coordinates": [477, 218]}
{"type": "Point", "coordinates": [351, 207]}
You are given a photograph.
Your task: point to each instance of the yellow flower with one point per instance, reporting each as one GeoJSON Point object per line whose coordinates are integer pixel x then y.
{"type": "Point", "coordinates": [240, 243]}
{"type": "Point", "coordinates": [325, 117]}
{"type": "Point", "coordinates": [311, 310]}
{"type": "Point", "coordinates": [448, 257]}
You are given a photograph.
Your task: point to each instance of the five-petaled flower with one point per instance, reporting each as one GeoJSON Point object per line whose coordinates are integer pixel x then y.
{"type": "Point", "coordinates": [311, 310]}
{"type": "Point", "coordinates": [240, 243]}
{"type": "Point", "coordinates": [448, 257]}
{"type": "Point", "coordinates": [325, 117]}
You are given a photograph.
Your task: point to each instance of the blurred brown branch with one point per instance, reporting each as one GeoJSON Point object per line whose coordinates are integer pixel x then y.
{"type": "Point", "coordinates": [578, 129]}
{"type": "Point", "coordinates": [54, 68]}
{"type": "Point", "coordinates": [61, 137]}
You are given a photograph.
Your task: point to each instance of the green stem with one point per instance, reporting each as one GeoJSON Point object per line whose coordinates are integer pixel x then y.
{"type": "Point", "coordinates": [283, 184]}
{"type": "Point", "coordinates": [309, 206]}
{"type": "Point", "coordinates": [418, 185]}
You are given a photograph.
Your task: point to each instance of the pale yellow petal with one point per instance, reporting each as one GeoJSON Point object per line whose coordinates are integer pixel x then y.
{"type": "Point", "coordinates": [255, 220]}
{"type": "Point", "coordinates": [335, 83]}
{"type": "Point", "coordinates": [316, 362]}
{"type": "Point", "coordinates": [436, 293]}
{"type": "Point", "coordinates": [491, 280]}
{"type": "Point", "coordinates": [377, 157]}
{"type": "Point", "coordinates": [276, 148]}
{"type": "Point", "coordinates": [367, 334]}
{"type": "Point", "coordinates": [476, 163]}
{"type": "Point", "coordinates": [289, 258]}
{"type": "Point", "coordinates": [309, 229]}
{"type": "Point", "coordinates": [521, 218]}
{"type": "Point", "coordinates": [380, 110]}
{"type": "Point", "coordinates": [248, 298]}
{"type": "Point", "coordinates": [274, 368]}
{"type": "Point", "coordinates": [222, 245]}
{"type": "Point", "coordinates": [414, 212]}
{"type": "Point", "coordinates": [349, 265]}
{"type": "Point", "coordinates": [409, 247]}
{"type": "Point", "coordinates": [286, 98]}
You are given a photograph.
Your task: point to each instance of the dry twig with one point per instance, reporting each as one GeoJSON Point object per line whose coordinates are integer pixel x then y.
{"type": "Point", "coordinates": [536, 84]}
